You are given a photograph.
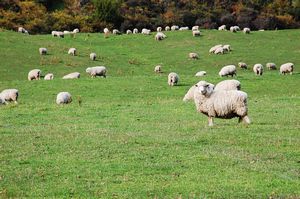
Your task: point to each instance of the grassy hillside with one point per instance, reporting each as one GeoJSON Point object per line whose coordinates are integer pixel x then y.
{"type": "Point", "coordinates": [133, 137]}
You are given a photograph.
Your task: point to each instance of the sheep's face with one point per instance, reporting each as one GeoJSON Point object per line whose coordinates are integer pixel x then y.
{"type": "Point", "coordinates": [204, 88]}
{"type": "Point", "coordinates": [88, 70]}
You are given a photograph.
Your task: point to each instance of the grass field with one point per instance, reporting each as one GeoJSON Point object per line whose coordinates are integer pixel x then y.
{"type": "Point", "coordinates": [133, 137]}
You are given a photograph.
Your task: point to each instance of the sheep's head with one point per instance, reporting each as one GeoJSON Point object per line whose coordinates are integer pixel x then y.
{"type": "Point", "coordinates": [88, 70]}
{"type": "Point", "coordinates": [204, 88]}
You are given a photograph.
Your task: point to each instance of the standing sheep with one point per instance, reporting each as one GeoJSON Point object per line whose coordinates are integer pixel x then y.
{"type": "Point", "coordinates": [228, 70]}
{"type": "Point", "coordinates": [43, 51]}
{"type": "Point", "coordinates": [74, 75]}
{"type": "Point", "coordinates": [243, 65]}
{"type": "Point", "coordinates": [228, 85]}
{"type": "Point", "coordinates": [146, 31]}
{"type": "Point", "coordinates": [271, 66]}
{"type": "Point", "coordinates": [63, 98]}
{"type": "Point", "coordinates": [128, 32]}
{"type": "Point", "coordinates": [106, 31]}
{"type": "Point", "coordinates": [174, 27]}
{"type": "Point", "coordinates": [49, 76]}
{"type": "Point", "coordinates": [223, 27]}
{"type": "Point", "coordinates": [214, 48]}
{"type": "Point", "coordinates": [219, 51]}
{"type": "Point", "coordinates": [160, 36]}
{"type": "Point", "coordinates": [157, 69]}
{"type": "Point", "coordinates": [93, 56]}
{"type": "Point", "coordinates": [258, 69]}
{"type": "Point", "coordinates": [116, 32]}
{"type": "Point", "coordinates": [184, 28]}
{"type": "Point", "coordinates": [190, 94]}
{"type": "Point", "coordinates": [193, 56]}
{"type": "Point", "coordinates": [96, 71]}
{"type": "Point", "coordinates": [196, 33]}
{"type": "Point", "coordinates": [135, 31]}
{"type": "Point", "coordinates": [167, 28]}
{"type": "Point", "coordinates": [246, 30]}
{"type": "Point", "coordinates": [220, 104]}
{"type": "Point", "coordinates": [158, 29]}
{"type": "Point", "coordinates": [173, 79]}
{"type": "Point", "coordinates": [34, 74]}
{"type": "Point", "coordinates": [76, 30]}
{"type": "Point", "coordinates": [72, 51]}
{"type": "Point", "coordinates": [9, 95]}
{"type": "Point", "coordinates": [287, 68]}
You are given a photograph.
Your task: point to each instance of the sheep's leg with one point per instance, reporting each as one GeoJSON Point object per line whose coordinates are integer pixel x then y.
{"type": "Point", "coordinates": [240, 119]}
{"type": "Point", "coordinates": [210, 121]}
{"type": "Point", "coordinates": [246, 119]}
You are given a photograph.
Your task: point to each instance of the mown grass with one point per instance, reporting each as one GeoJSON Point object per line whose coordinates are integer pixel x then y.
{"type": "Point", "coordinates": [132, 136]}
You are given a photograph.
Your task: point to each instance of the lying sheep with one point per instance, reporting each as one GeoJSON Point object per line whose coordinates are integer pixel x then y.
{"type": "Point", "coordinates": [158, 29]}
{"type": "Point", "coordinates": [223, 27]}
{"type": "Point", "coordinates": [135, 31]}
{"type": "Point", "coordinates": [214, 48]}
{"type": "Point", "coordinates": [74, 75]}
{"type": "Point", "coordinates": [228, 70]}
{"type": "Point", "coordinates": [9, 95]}
{"type": "Point", "coordinates": [196, 33]}
{"type": "Point", "coordinates": [34, 74]}
{"type": "Point", "coordinates": [200, 73]}
{"type": "Point", "coordinates": [173, 79]}
{"type": "Point", "coordinates": [116, 32]}
{"type": "Point", "coordinates": [287, 68]}
{"type": "Point", "coordinates": [146, 31]}
{"type": "Point", "coordinates": [93, 56]}
{"type": "Point", "coordinates": [243, 65]}
{"type": "Point", "coordinates": [271, 66]}
{"type": "Point", "coordinates": [227, 48]}
{"type": "Point", "coordinates": [193, 56]}
{"type": "Point", "coordinates": [220, 104]}
{"type": "Point", "coordinates": [195, 28]}
{"type": "Point", "coordinates": [228, 85]}
{"type": "Point", "coordinates": [43, 51]}
{"type": "Point", "coordinates": [96, 71]}
{"type": "Point", "coordinates": [246, 30]}
{"type": "Point", "coordinates": [160, 36]}
{"type": "Point", "coordinates": [63, 98]}
{"type": "Point", "coordinates": [157, 69]}
{"type": "Point", "coordinates": [128, 32]}
{"type": "Point", "coordinates": [258, 69]}
{"type": "Point", "coordinates": [184, 28]}
{"type": "Point", "coordinates": [167, 28]}
{"type": "Point", "coordinates": [49, 76]}
{"type": "Point", "coordinates": [72, 51]}
{"type": "Point", "coordinates": [174, 27]}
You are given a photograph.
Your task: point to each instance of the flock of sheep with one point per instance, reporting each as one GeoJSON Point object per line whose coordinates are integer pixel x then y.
{"type": "Point", "coordinates": [225, 100]}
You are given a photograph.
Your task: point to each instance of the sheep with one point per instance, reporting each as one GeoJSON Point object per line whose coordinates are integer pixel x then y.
{"type": "Point", "coordinates": [214, 48]}
{"type": "Point", "coordinates": [9, 95]}
{"type": "Point", "coordinates": [2, 101]}
{"type": "Point", "coordinates": [167, 28]}
{"type": "Point", "coordinates": [93, 56]}
{"type": "Point", "coordinates": [49, 76]}
{"type": "Point", "coordinates": [184, 28]}
{"type": "Point", "coordinates": [76, 30]}
{"type": "Point", "coordinates": [146, 31]}
{"type": "Point", "coordinates": [106, 31]}
{"type": "Point", "coordinates": [160, 36]}
{"type": "Point", "coordinates": [193, 56]}
{"type": "Point", "coordinates": [246, 30]}
{"type": "Point", "coordinates": [63, 98]}
{"type": "Point", "coordinates": [190, 94]}
{"type": "Point", "coordinates": [219, 50]}
{"type": "Point", "coordinates": [128, 32]}
{"type": "Point", "coordinates": [34, 74]}
{"type": "Point", "coordinates": [96, 71]}
{"type": "Point", "coordinates": [227, 48]}
{"type": "Point", "coordinates": [234, 28]}
{"type": "Point", "coordinates": [258, 69]}
{"type": "Point", "coordinates": [157, 69]}
{"type": "Point", "coordinates": [66, 32]}
{"type": "Point", "coordinates": [200, 73]}
{"type": "Point", "coordinates": [228, 70]}
{"type": "Point", "coordinates": [43, 51]}
{"type": "Point", "coordinates": [228, 85]}
{"type": "Point", "coordinates": [116, 32]}
{"type": "Point", "coordinates": [22, 30]}
{"type": "Point", "coordinates": [174, 27]}
{"type": "Point", "coordinates": [220, 104]}
{"type": "Point", "coordinates": [196, 33]}
{"type": "Point", "coordinates": [195, 28]}
{"type": "Point", "coordinates": [287, 68]}
{"type": "Point", "coordinates": [74, 75]}
{"type": "Point", "coordinates": [242, 65]}
{"type": "Point", "coordinates": [173, 79]}
{"type": "Point", "coordinates": [158, 29]}
{"type": "Point", "coordinates": [72, 51]}
{"type": "Point", "coordinates": [135, 31]}
{"type": "Point", "coordinates": [271, 66]}
{"type": "Point", "coordinates": [223, 27]}
{"type": "Point", "coordinates": [57, 34]}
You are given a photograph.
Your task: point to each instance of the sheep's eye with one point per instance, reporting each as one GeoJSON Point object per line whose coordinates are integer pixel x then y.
{"type": "Point", "coordinates": [196, 85]}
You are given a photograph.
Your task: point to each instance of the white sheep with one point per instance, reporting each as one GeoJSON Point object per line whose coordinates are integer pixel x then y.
{"type": "Point", "coordinates": [287, 68]}
{"type": "Point", "coordinates": [96, 71]}
{"type": "Point", "coordinates": [220, 104]}
{"type": "Point", "coordinates": [63, 98]}
{"type": "Point", "coordinates": [271, 66]}
{"type": "Point", "coordinates": [258, 69]}
{"type": "Point", "coordinates": [93, 56]}
{"type": "Point", "coordinates": [106, 31]}
{"type": "Point", "coordinates": [34, 74]}
{"type": "Point", "coordinates": [76, 30]}
{"type": "Point", "coordinates": [159, 29]}
{"type": "Point", "coordinates": [228, 85]}
{"type": "Point", "coordinates": [196, 33]}
{"type": "Point", "coordinates": [200, 73]}
{"type": "Point", "coordinates": [214, 48]}
{"type": "Point", "coordinates": [128, 32]}
{"type": "Point", "coordinates": [227, 48]}
{"type": "Point", "coordinates": [22, 30]}
{"type": "Point", "coordinates": [66, 32]}
{"type": "Point", "coordinates": [157, 69]}
{"type": "Point", "coordinates": [167, 28]}
{"type": "Point", "coordinates": [72, 51]}
{"type": "Point", "coordinates": [234, 28]}
{"type": "Point", "coordinates": [246, 30]}
{"type": "Point", "coordinates": [9, 95]}
{"type": "Point", "coordinates": [219, 50]}
{"type": "Point", "coordinates": [49, 76]}
{"type": "Point", "coordinates": [242, 65]}
{"type": "Point", "coordinates": [184, 28]}
{"type": "Point", "coordinates": [57, 34]}
{"type": "Point", "coordinates": [146, 31]}
{"type": "Point", "coordinates": [43, 51]}
{"type": "Point", "coordinates": [135, 31]}
{"type": "Point", "coordinates": [116, 32]}
{"type": "Point", "coordinates": [74, 75]}
{"type": "Point", "coordinates": [160, 36]}
{"type": "Point", "coordinates": [173, 79]}
{"type": "Point", "coordinates": [228, 70]}
{"type": "Point", "coordinates": [174, 27]}
{"type": "Point", "coordinates": [190, 94]}
{"type": "Point", "coordinates": [195, 28]}
{"type": "Point", "coordinates": [223, 27]}
{"type": "Point", "coordinates": [193, 56]}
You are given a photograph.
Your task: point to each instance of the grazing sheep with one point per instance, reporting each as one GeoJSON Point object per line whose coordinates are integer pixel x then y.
{"type": "Point", "coordinates": [174, 27]}
{"type": "Point", "coordinates": [34, 74]}
{"type": "Point", "coordinates": [271, 66]}
{"type": "Point", "coordinates": [167, 28]}
{"type": "Point", "coordinates": [193, 56]}
{"type": "Point", "coordinates": [96, 71]}
{"type": "Point", "coordinates": [63, 98]}
{"type": "Point", "coordinates": [228, 70]}
{"type": "Point", "coordinates": [128, 32]}
{"type": "Point", "coordinates": [159, 29]}
{"type": "Point", "coordinates": [219, 50]}
{"type": "Point", "coordinates": [200, 73]}
{"type": "Point", "coordinates": [105, 30]}
{"type": "Point", "coordinates": [43, 51]}
{"type": "Point", "coordinates": [196, 33]}
{"type": "Point", "coordinates": [173, 79]}
{"type": "Point", "coordinates": [195, 28]}
{"type": "Point", "coordinates": [287, 68]}
{"type": "Point", "coordinates": [9, 95]}
{"type": "Point", "coordinates": [234, 28]}
{"type": "Point", "coordinates": [214, 48]}
{"type": "Point", "coordinates": [49, 76]}
{"type": "Point", "coordinates": [157, 69]}
{"type": "Point", "coordinates": [220, 104]}
{"type": "Point", "coordinates": [258, 69]}
{"type": "Point", "coordinates": [228, 85]}
{"type": "Point", "coordinates": [74, 75]}
{"type": "Point", "coordinates": [93, 56]}
{"type": "Point", "coordinates": [57, 34]}
{"type": "Point", "coordinates": [160, 36]}
{"type": "Point", "coordinates": [227, 48]}
{"type": "Point", "coordinates": [184, 28]}
{"type": "Point", "coordinates": [135, 31]}
{"type": "Point", "coordinates": [146, 31]}
{"type": "Point", "coordinates": [72, 51]}
{"type": "Point", "coordinates": [190, 94]}
{"type": "Point", "coordinates": [116, 32]}
{"type": "Point", "coordinates": [76, 30]}
{"type": "Point", "coordinates": [246, 30]}
{"type": "Point", "coordinates": [223, 27]}
{"type": "Point", "coordinates": [243, 65]}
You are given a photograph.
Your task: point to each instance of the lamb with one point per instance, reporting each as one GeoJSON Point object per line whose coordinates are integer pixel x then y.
{"type": "Point", "coordinates": [43, 51]}
{"type": "Point", "coordinates": [135, 31]}
{"type": "Point", "coordinates": [128, 32]}
{"type": "Point", "coordinates": [196, 33]}
{"type": "Point", "coordinates": [220, 104]}
{"type": "Point", "coordinates": [195, 28]}
{"type": "Point", "coordinates": [159, 29]}
{"type": "Point", "coordinates": [116, 32]}
{"type": "Point", "coordinates": [74, 75]}
{"type": "Point", "coordinates": [167, 28]}
{"type": "Point", "coordinates": [63, 98]}
{"type": "Point", "coordinates": [287, 68]}
{"type": "Point", "coordinates": [228, 70]}
{"type": "Point", "coordinates": [243, 65]}
{"type": "Point", "coordinates": [146, 31]}
{"type": "Point", "coordinates": [96, 71]}
{"type": "Point", "coordinates": [271, 66]}
{"type": "Point", "coordinates": [173, 79]}
{"type": "Point", "coordinates": [193, 56]}
{"type": "Point", "coordinates": [219, 50]}
{"type": "Point", "coordinates": [157, 69]}
{"type": "Point", "coordinates": [174, 27]}
{"type": "Point", "coordinates": [34, 74]}
{"type": "Point", "coordinates": [9, 95]}
{"type": "Point", "coordinates": [223, 27]}
{"type": "Point", "coordinates": [160, 36]}
{"type": "Point", "coordinates": [184, 28]}
{"type": "Point", "coordinates": [258, 69]}
{"type": "Point", "coordinates": [228, 85]}
{"type": "Point", "coordinates": [200, 73]}
{"type": "Point", "coordinates": [49, 76]}
{"type": "Point", "coordinates": [214, 48]}
{"type": "Point", "coordinates": [246, 30]}
{"type": "Point", "coordinates": [93, 56]}
{"type": "Point", "coordinates": [72, 51]}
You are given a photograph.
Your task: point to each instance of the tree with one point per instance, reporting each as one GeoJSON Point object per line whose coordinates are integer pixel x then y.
{"type": "Point", "coordinates": [108, 11]}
